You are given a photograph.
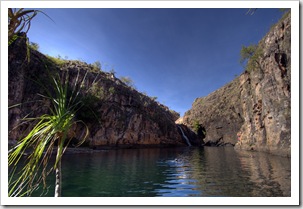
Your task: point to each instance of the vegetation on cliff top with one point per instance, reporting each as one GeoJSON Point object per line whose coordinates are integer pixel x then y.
{"type": "Point", "coordinates": [250, 56]}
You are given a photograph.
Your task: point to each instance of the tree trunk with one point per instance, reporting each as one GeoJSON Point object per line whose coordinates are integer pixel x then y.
{"type": "Point", "coordinates": [58, 182]}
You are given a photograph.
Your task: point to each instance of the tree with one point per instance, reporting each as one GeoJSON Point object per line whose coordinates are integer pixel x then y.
{"type": "Point", "coordinates": [247, 52]}
{"type": "Point", "coordinates": [50, 129]}
{"type": "Point", "coordinates": [19, 20]}
{"type": "Point", "coordinates": [127, 80]}
{"type": "Point", "coordinates": [250, 55]}
{"type": "Point", "coordinates": [97, 65]}
{"type": "Point", "coordinates": [34, 46]}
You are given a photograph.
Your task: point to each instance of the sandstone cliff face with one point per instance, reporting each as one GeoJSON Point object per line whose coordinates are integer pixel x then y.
{"type": "Point", "coordinates": [219, 113]}
{"type": "Point", "coordinates": [121, 115]}
{"type": "Point", "coordinates": [253, 111]}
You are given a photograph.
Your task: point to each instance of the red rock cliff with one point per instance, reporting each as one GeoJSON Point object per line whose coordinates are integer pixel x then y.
{"type": "Point", "coordinates": [253, 111]}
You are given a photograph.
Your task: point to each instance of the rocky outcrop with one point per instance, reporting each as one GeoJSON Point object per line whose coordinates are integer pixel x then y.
{"type": "Point", "coordinates": [219, 113]}
{"type": "Point", "coordinates": [116, 114]}
{"type": "Point", "coordinates": [253, 111]}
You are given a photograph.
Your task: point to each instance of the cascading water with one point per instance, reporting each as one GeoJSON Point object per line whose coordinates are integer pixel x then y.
{"type": "Point", "coordinates": [184, 136]}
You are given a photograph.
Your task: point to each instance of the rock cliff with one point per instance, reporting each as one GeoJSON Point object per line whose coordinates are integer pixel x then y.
{"type": "Point", "coordinates": [253, 111]}
{"type": "Point", "coordinates": [116, 114]}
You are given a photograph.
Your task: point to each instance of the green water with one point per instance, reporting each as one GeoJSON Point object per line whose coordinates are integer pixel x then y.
{"type": "Point", "coordinates": [188, 171]}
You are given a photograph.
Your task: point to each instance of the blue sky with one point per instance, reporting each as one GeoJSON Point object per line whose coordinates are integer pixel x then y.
{"type": "Point", "coordinates": [176, 55]}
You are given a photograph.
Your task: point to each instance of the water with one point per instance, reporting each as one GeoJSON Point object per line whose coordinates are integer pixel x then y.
{"type": "Point", "coordinates": [188, 171]}
{"type": "Point", "coordinates": [184, 136]}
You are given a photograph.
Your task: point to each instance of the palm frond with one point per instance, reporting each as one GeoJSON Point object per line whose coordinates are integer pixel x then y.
{"type": "Point", "coordinates": [50, 129]}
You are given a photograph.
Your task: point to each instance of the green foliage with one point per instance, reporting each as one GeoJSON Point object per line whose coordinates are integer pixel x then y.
{"type": "Point", "coordinates": [57, 60]}
{"type": "Point", "coordinates": [50, 129]}
{"type": "Point", "coordinates": [198, 129]}
{"type": "Point", "coordinates": [91, 98]}
{"type": "Point", "coordinates": [87, 113]}
{"type": "Point", "coordinates": [127, 80]}
{"type": "Point", "coordinates": [247, 52]}
{"type": "Point", "coordinates": [12, 39]}
{"type": "Point", "coordinates": [19, 20]}
{"type": "Point", "coordinates": [97, 66]}
{"type": "Point", "coordinates": [111, 90]}
{"type": "Point", "coordinates": [34, 46]}
{"type": "Point", "coordinates": [97, 91]}
{"type": "Point", "coordinates": [249, 57]}
{"type": "Point", "coordinates": [196, 126]}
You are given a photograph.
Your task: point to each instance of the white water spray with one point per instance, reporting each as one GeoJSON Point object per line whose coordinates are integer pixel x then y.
{"type": "Point", "coordinates": [184, 136]}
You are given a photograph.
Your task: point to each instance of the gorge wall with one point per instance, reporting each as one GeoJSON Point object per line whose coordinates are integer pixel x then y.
{"type": "Point", "coordinates": [115, 114]}
{"type": "Point", "coordinates": [253, 112]}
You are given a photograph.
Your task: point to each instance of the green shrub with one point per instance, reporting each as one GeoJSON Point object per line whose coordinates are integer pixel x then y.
{"type": "Point", "coordinates": [111, 90]}
{"type": "Point", "coordinates": [34, 46]}
{"type": "Point", "coordinates": [127, 80]}
{"type": "Point", "coordinates": [247, 52]}
{"type": "Point", "coordinates": [57, 60]}
{"type": "Point", "coordinates": [19, 20]}
{"type": "Point", "coordinates": [199, 129]}
{"type": "Point", "coordinates": [50, 130]}
{"type": "Point", "coordinates": [97, 91]}
{"type": "Point", "coordinates": [196, 126]}
{"type": "Point", "coordinates": [249, 57]}
{"type": "Point", "coordinates": [97, 66]}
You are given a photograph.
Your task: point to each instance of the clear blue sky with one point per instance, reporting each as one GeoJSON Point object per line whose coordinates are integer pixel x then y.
{"type": "Point", "coordinates": [176, 55]}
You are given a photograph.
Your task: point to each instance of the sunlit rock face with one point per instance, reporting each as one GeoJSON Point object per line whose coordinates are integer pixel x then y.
{"type": "Point", "coordinates": [253, 112]}
{"type": "Point", "coordinates": [115, 114]}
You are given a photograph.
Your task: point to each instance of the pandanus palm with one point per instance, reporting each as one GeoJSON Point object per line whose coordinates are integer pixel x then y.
{"type": "Point", "coordinates": [50, 131]}
{"type": "Point", "coordinates": [19, 20]}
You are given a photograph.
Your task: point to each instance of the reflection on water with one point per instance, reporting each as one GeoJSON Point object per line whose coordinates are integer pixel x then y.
{"type": "Point", "coordinates": [208, 171]}
{"type": "Point", "coordinates": [271, 175]}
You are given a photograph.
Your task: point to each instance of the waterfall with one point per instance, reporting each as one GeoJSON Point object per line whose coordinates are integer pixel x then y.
{"type": "Point", "coordinates": [184, 136]}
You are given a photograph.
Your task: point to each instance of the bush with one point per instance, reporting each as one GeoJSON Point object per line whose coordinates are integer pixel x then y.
{"type": "Point", "coordinates": [34, 46]}
{"type": "Point", "coordinates": [196, 126]}
{"type": "Point", "coordinates": [247, 52]}
{"type": "Point", "coordinates": [199, 129]}
{"type": "Point", "coordinates": [97, 65]}
{"type": "Point", "coordinates": [249, 56]}
{"type": "Point", "coordinates": [127, 80]}
{"type": "Point", "coordinates": [57, 60]}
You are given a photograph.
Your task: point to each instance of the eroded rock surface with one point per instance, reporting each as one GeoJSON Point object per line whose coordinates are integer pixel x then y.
{"type": "Point", "coordinates": [116, 114]}
{"type": "Point", "coordinates": [253, 112]}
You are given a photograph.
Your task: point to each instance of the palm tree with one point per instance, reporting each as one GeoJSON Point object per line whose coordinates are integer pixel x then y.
{"type": "Point", "coordinates": [51, 129]}
{"type": "Point", "coordinates": [19, 20]}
